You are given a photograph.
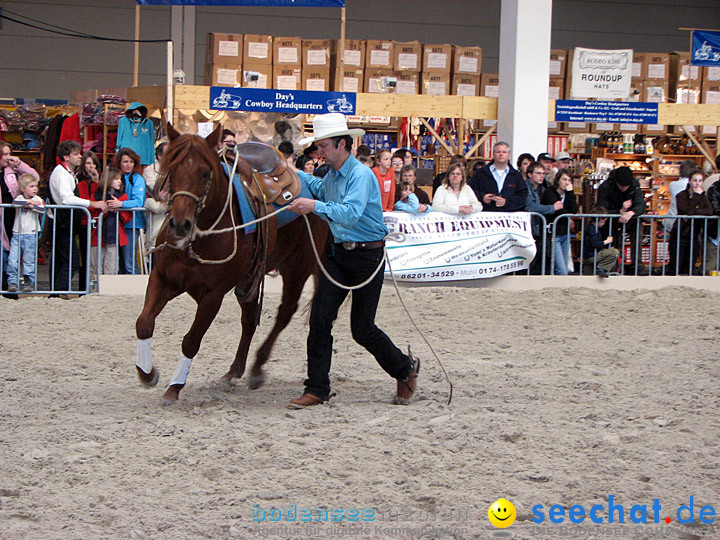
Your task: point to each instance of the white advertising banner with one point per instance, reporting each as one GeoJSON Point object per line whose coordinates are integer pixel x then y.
{"type": "Point", "coordinates": [444, 247]}
{"type": "Point", "coordinates": [600, 73]}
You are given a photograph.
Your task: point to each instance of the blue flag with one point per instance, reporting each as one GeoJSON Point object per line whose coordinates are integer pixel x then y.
{"type": "Point", "coordinates": [705, 48]}
{"type": "Point", "coordinates": [279, 3]}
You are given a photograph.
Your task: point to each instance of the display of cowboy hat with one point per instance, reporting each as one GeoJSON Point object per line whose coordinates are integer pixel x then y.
{"type": "Point", "coordinates": [330, 125]}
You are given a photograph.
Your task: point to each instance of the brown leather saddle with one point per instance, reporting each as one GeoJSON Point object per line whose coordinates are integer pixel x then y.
{"type": "Point", "coordinates": [273, 181]}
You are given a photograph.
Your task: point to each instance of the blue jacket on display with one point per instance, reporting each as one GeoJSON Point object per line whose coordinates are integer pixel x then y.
{"type": "Point", "coordinates": [136, 131]}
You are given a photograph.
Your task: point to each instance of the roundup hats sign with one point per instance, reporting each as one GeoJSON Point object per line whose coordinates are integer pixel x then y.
{"type": "Point", "coordinates": [600, 73]}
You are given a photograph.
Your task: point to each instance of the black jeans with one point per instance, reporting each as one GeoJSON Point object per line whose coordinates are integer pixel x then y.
{"type": "Point", "coordinates": [65, 256]}
{"type": "Point", "coordinates": [349, 268]}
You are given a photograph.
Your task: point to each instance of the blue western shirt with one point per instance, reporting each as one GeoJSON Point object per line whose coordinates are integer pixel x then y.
{"type": "Point", "coordinates": [349, 200]}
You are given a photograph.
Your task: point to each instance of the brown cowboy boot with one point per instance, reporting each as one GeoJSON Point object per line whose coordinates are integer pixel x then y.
{"type": "Point", "coordinates": [406, 386]}
{"type": "Point", "coordinates": [304, 401]}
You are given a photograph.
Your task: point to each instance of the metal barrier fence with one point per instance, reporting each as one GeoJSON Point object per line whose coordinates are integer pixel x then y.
{"type": "Point", "coordinates": [538, 225]}
{"type": "Point", "coordinates": [133, 257]}
{"type": "Point", "coordinates": [28, 268]}
{"type": "Point", "coordinates": [643, 246]}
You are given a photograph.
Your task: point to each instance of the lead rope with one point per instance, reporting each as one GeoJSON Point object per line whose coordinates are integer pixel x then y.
{"type": "Point", "coordinates": [397, 237]}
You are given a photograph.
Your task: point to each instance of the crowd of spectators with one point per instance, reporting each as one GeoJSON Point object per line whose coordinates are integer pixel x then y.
{"type": "Point", "coordinates": [543, 186]}
{"type": "Point", "coordinates": [546, 186]}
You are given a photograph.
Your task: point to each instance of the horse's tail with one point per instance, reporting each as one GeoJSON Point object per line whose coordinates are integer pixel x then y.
{"type": "Point", "coordinates": [306, 309]}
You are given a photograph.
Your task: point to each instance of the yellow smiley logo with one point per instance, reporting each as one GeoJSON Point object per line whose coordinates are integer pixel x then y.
{"type": "Point", "coordinates": [502, 513]}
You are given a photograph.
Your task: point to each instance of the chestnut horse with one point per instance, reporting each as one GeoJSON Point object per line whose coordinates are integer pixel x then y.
{"type": "Point", "coordinates": [198, 189]}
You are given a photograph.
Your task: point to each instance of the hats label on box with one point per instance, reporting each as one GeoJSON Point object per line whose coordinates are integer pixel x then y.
{"type": "Point", "coordinates": [258, 50]}
{"type": "Point", "coordinates": [317, 85]}
{"type": "Point", "coordinates": [468, 63]}
{"type": "Point", "coordinates": [656, 71]}
{"type": "Point", "coordinates": [435, 88]}
{"type": "Point", "coordinates": [317, 57]}
{"type": "Point", "coordinates": [466, 89]}
{"type": "Point", "coordinates": [352, 58]}
{"type": "Point", "coordinates": [380, 58]}
{"type": "Point", "coordinates": [287, 82]}
{"type": "Point", "coordinates": [437, 60]}
{"type": "Point", "coordinates": [492, 91]}
{"type": "Point", "coordinates": [406, 87]}
{"type": "Point", "coordinates": [555, 66]}
{"type": "Point", "coordinates": [227, 76]}
{"type": "Point", "coordinates": [287, 55]}
{"type": "Point", "coordinates": [228, 48]}
{"type": "Point", "coordinates": [351, 84]}
{"type": "Point", "coordinates": [407, 61]}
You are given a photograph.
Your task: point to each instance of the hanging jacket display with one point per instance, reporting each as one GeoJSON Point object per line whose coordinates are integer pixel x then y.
{"type": "Point", "coordinates": [136, 131]}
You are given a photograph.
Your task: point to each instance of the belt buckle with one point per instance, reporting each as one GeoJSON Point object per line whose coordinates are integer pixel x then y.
{"type": "Point", "coordinates": [349, 245]}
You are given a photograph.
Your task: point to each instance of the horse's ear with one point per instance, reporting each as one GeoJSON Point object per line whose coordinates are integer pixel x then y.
{"type": "Point", "coordinates": [172, 133]}
{"type": "Point", "coordinates": [214, 137]}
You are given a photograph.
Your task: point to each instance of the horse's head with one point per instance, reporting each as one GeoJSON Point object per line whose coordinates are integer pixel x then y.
{"type": "Point", "coordinates": [192, 168]}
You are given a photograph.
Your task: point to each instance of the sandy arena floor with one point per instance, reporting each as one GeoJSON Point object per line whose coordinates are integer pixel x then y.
{"type": "Point", "coordinates": [561, 397]}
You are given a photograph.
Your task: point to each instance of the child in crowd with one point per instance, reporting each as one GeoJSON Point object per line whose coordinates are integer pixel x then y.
{"type": "Point", "coordinates": [366, 160]}
{"type": "Point", "coordinates": [113, 233]}
{"type": "Point", "coordinates": [596, 251]}
{"type": "Point", "coordinates": [692, 201]}
{"type": "Point", "coordinates": [23, 244]}
{"type": "Point", "coordinates": [408, 174]}
{"type": "Point", "coordinates": [408, 201]}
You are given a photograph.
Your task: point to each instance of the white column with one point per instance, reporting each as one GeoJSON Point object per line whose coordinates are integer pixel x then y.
{"type": "Point", "coordinates": [182, 33]}
{"type": "Point", "coordinates": [524, 73]}
{"type": "Point", "coordinates": [176, 34]}
{"type": "Point", "coordinates": [188, 52]}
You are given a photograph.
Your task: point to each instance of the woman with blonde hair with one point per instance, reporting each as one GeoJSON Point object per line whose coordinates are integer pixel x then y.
{"type": "Point", "coordinates": [454, 196]}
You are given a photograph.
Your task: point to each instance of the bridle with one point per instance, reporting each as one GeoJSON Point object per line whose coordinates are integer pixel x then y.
{"type": "Point", "coordinates": [199, 201]}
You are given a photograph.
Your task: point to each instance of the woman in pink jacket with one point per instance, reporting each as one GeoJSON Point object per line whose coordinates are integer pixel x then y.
{"type": "Point", "coordinates": [11, 167]}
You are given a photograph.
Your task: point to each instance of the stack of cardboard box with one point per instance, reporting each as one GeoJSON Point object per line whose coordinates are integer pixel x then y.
{"type": "Point", "coordinates": [466, 70]}
{"type": "Point", "coordinates": [316, 64]}
{"type": "Point", "coordinates": [656, 85]}
{"type": "Point", "coordinates": [379, 63]}
{"type": "Point", "coordinates": [436, 68]}
{"type": "Point", "coordinates": [407, 63]}
{"type": "Point", "coordinates": [351, 77]}
{"type": "Point", "coordinates": [287, 63]}
{"type": "Point", "coordinates": [556, 86]}
{"type": "Point", "coordinates": [711, 85]}
{"type": "Point", "coordinates": [223, 59]}
{"type": "Point", "coordinates": [238, 60]}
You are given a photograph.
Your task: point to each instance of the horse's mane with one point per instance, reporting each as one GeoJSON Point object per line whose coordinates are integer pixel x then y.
{"type": "Point", "coordinates": [186, 145]}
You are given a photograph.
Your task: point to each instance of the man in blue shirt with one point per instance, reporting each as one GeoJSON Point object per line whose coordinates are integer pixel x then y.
{"type": "Point", "coordinates": [348, 198]}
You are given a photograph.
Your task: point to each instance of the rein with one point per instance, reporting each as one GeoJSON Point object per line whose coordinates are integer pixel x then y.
{"type": "Point", "coordinates": [196, 232]}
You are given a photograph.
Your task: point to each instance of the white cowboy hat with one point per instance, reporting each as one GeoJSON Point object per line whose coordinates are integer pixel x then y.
{"type": "Point", "coordinates": [330, 125]}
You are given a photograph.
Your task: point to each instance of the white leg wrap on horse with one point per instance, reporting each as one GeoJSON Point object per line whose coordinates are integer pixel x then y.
{"type": "Point", "coordinates": [182, 370]}
{"type": "Point", "coordinates": [144, 361]}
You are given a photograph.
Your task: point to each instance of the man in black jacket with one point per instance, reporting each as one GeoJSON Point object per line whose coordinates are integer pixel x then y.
{"type": "Point", "coordinates": [498, 186]}
{"type": "Point", "coordinates": [621, 194]}
{"type": "Point", "coordinates": [713, 230]}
